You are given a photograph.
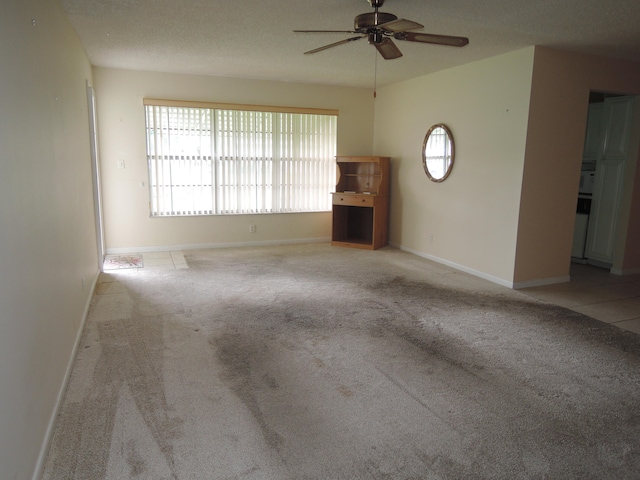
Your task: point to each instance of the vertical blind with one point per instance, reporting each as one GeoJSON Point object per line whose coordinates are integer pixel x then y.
{"type": "Point", "coordinates": [210, 161]}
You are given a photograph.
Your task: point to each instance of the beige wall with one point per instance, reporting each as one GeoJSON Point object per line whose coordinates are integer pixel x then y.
{"type": "Point", "coordinates": [470, 220]}
{"type": "Point", "coordinates": [47, 234]}
{"type": "Point", "coordinates": [507, 211]}
{"type": "Point", "coordinates": [122, 138]}
{"type": "Point", "coordinates": [555, 138]}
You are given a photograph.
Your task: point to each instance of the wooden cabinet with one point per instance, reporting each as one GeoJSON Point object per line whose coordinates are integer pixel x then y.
{"type": "Point", "coordinates": [361, 203]}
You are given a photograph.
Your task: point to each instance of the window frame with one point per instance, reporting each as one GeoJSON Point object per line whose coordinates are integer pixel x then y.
{"type": "Point", "coordinates": [302, 166]}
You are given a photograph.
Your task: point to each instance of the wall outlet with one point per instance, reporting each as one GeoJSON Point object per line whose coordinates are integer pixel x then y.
{"type": "Point", "coordinates": [252, 228]}
{"type": "Point", "coordinates": [431, 238]}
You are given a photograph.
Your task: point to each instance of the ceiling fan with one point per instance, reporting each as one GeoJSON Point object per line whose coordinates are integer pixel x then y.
{"type": "Point", "coordinates": [379, 28]}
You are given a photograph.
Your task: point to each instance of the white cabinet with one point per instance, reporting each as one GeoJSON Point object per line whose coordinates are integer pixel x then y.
{"type": "Point", "coordinates": [610, 161]}
{"type": "Point", "coordinates": [594, 137]}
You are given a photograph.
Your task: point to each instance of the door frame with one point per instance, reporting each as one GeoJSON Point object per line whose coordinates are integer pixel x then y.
{"type": "Point", "coordinates": [95, 174]}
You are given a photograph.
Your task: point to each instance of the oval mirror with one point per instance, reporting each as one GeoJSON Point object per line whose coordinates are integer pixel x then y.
{"type": "Point", "coordinates": [438, 153]}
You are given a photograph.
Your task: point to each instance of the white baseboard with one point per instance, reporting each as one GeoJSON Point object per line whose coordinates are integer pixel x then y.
{"type": "Point", "coordinates": [169, 248]}
{"type": "Point", "coordinates": [48, 437]}
{"type": "Point", "coordinates": [477, 273]}
{"type": "Point", "coordinates": [538, 282]}
{"type": "Point", "coordinates": [462, 268]}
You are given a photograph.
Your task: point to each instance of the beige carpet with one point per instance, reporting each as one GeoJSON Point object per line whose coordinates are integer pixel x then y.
{"type": "Point", "coordinates": [313, 362]}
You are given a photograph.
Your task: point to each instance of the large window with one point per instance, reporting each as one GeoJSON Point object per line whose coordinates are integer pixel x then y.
{"type": "Point", "coordinates": [212, 159]}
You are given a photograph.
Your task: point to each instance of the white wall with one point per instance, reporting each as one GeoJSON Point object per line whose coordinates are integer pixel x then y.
{"type": "Point", "coordinates": [121, 127]}
{"type": "Point", "coordinates": [47, 234]}
{"type": "Point", "coordinates": [470, 220]}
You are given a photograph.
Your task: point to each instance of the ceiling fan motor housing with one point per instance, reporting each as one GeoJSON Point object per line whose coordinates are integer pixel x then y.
{"type": "Point", "coordinates": [375, 37]}
{"type": "Point", "coordinates": [366, 21]}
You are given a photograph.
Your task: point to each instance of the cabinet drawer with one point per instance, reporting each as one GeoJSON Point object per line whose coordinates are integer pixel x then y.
{"type": "Point", "coordinates": [353, 200]}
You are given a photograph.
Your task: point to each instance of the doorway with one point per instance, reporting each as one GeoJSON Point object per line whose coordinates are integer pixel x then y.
{"type": "Point", "coordinates": [606, 180]}
{"type": "Point", "coordinates": [95, 171]}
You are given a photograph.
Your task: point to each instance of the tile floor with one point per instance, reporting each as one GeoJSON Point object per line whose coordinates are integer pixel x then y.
{"type": "Point", "coordinates": [164, 260]}
{"type": "Point", "coordinates": [595, 292]}
{"type": "Point", "coordinates": [161, 261]}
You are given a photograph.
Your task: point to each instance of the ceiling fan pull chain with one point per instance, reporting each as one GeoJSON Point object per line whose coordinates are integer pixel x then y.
{"type": "Point", "coordinates": [375, 75]}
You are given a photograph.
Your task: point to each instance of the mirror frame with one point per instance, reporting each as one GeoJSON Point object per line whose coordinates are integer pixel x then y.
{"type": "Point", "coordinates": [424, 153]}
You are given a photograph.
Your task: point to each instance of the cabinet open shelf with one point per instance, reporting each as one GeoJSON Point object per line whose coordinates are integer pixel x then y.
{"type": "Point", "coordinates": [361, 203]}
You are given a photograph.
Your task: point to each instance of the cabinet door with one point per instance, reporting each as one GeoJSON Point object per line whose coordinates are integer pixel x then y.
{"type": "Point", "coordinates": [595, 133]}
{"type": "Point", "coordinates": [610, 166]}
{"type": "Point", "coordinates": [604, 210]}
{"type": "Point", "coordinates": [618, 119]}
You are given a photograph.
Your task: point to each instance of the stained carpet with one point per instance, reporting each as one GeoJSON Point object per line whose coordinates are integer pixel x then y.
{"type": "Point", "coordinates": [313, 362]}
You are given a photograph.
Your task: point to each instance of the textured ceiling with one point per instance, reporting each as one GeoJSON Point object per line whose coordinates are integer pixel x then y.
{"type": "Point", "coordinates": [251, 39]}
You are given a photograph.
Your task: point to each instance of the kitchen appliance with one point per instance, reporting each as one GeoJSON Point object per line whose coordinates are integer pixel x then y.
{"type": "Point", "coordinates": [587, 180]}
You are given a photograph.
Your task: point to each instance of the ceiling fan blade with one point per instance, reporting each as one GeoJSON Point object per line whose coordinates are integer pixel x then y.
{"type": "Point", "coordinates": [432, 38]}
{"type": "Point", "coordinates": [347, 40]}
{"type": "Point", "coordinates": [324, 31]}
{"type": "Point", "coordinates": [388, 49]}
{"type": "Point", "coordinates": [400, 25]}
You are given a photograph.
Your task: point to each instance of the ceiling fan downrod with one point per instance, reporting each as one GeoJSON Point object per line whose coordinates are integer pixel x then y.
{"type": "Point", "coordinates": [370, 21]}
